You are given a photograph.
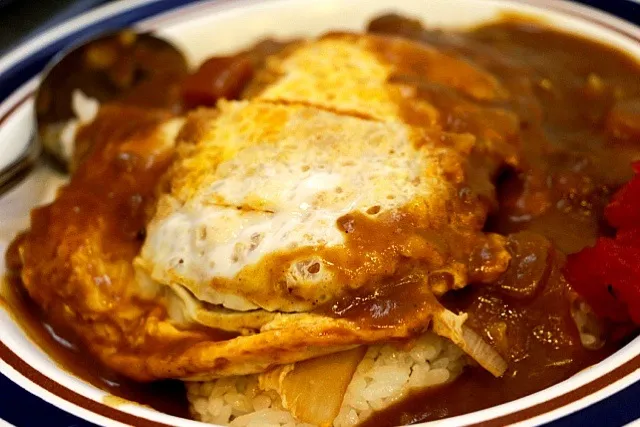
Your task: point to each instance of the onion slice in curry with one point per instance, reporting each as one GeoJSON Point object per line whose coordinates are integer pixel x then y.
{"type": "Point", "coordinates": [450, 325]}
{"type": "Point", "coordinates": [313, 389]}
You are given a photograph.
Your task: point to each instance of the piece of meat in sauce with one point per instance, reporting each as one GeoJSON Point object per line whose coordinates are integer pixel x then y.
{"type": "Point", "coordinates": [225, 76]}
{"type": "Point", "coordinates": [525, 312]}
{"type": "Point", "coordinates": [574, 157]}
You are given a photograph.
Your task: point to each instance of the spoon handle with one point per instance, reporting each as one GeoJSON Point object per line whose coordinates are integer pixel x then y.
{"type": "Point", "coordinates": [18, 169]}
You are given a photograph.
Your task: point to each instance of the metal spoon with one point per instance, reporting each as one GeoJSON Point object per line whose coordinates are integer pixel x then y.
{"type": "Point", "coordinates": [124, 66]}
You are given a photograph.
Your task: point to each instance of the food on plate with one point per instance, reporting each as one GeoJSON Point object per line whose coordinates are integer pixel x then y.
{"type": "Point", "coordinates": [358, 229]}
{"type": "Point", "coordinates": [123, 65]}
{"type": "Point", "coordinates": [606, 275]}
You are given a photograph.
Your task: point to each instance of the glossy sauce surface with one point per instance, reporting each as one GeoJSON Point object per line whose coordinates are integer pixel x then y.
{"type": "Point", "coordinates": [63, 346]}
{"type": "Point", "coordinates": [574, 105]}
{"type": "Point", "coordinates": [567, 93]}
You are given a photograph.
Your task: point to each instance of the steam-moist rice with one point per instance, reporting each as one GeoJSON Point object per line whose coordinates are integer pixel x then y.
{"type": "Point", "coordinates": [386, 375]}
{"type": "Point", "coordinates": [85, 109]}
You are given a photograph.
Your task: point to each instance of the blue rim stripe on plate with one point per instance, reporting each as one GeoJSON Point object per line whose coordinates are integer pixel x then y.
{"type": "Point", "coordinates": [22, 71]}
{"type": "Point", "coordinates": [612, 411]}
{"type": "Point", "coordinates": [628, 10]}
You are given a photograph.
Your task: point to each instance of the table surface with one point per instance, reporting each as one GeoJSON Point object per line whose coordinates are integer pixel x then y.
{"type": "Point", "coordinates": [21, 19]}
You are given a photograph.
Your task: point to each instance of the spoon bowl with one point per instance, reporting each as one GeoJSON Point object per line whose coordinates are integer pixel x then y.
{"type": "Point", "coordinates": [116, 67]}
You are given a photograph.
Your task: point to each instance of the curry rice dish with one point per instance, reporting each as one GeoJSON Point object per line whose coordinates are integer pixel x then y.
{"type": "Point", "coordinates": [360, 229]}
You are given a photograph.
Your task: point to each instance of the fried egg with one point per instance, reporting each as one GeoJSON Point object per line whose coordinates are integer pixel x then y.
{"type": "Point", "coordinates": [334, 181]}
{"type": "Point", "coordinates": [253, 218]}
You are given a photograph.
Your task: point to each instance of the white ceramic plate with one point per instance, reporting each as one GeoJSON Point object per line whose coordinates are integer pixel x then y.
{"type": "Point", "coordinates": [203, 29]}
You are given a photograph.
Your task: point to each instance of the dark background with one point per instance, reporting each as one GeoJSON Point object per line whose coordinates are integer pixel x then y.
{"type": "Point", "coordinates": [21, 19]}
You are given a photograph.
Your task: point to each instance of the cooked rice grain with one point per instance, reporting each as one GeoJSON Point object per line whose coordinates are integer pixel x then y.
{"type": "Point", "coordinates": [386, 375]}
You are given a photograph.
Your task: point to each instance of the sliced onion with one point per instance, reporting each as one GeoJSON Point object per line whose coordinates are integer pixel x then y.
{"type": "Point", "coordinates": [450, 325]}
{"type": "Point", "coordinates": [313, 390]}
{"type": "Point", "coordinates": [482, 352]}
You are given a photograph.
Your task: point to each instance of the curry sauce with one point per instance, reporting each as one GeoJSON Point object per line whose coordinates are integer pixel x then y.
{"type": "Point", "coordinates": [573, 105]}
{"type": "Point", "coordinates": [63, 346]}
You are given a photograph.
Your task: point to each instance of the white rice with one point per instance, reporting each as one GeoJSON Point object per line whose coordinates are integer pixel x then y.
{"type": "Point", "coordinates": [590, 327]}
{"type": "Point", "coordinates": [386, 375]}
{"type": "Point", "coordinates": [238, 402]}
{"type": "Point", "coordinates": [85, 109]}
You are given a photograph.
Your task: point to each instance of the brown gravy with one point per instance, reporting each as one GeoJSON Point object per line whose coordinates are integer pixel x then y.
{"type": "Point", "coordinates": [575, 100]}
{"type": "Point", "coordinates": [567, 92]}
{"type": "Point", "coordinates": [62, 346]}
{"type": "Point", "coordinates": [542, 345]}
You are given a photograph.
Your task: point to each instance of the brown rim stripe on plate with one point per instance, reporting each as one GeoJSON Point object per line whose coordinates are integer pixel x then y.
{"type": "Point", "coordinates": [13, 360]}
{"type": "Point", "coordinates": [30, 373]}
{"type": "Point", "coordinates": [14, 107]}
{"type": "Point", "coordinates": [565, 399]}
{"type": "Point", "coordinates": [10, 358]}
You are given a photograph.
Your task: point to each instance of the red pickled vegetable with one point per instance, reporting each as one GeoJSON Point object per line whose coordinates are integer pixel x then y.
{"type": "Point", "coordinates": [588, 271]}
{"type": "Point", "coordinates": [607, 275]}
{"type": "Point", "coordinates": [629, 237]}
{"type": "Point", "coordinates": [624, 209]}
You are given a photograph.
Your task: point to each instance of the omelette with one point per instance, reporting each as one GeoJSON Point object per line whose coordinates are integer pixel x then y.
{"type": "Point", "coordinates": [329, 208]}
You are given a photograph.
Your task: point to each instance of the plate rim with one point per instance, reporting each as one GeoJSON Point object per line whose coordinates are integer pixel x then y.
{"type": "Point", "coordinates": [99, 411]}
